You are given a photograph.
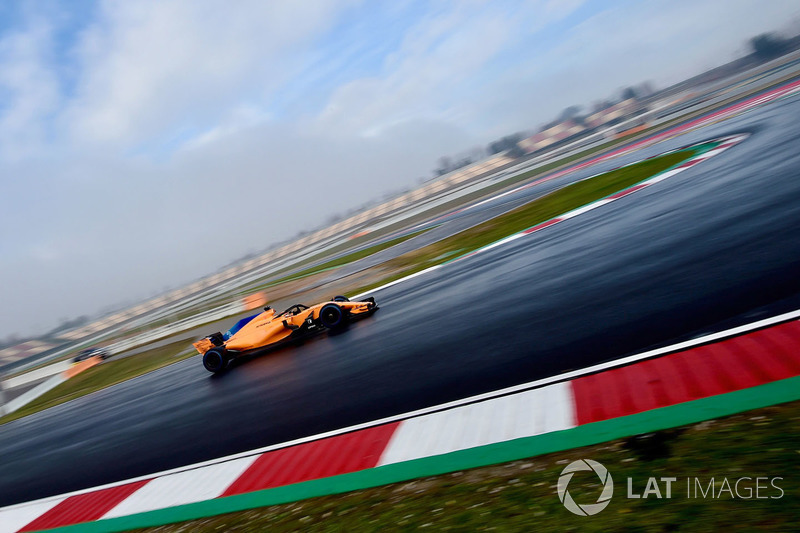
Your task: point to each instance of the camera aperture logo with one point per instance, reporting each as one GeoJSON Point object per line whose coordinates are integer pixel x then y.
{"type": "Point", "coordinates": [586, 509]}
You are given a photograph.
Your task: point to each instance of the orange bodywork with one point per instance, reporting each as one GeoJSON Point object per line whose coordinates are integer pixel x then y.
{"type": "Point", "coordinates": [271, 327]}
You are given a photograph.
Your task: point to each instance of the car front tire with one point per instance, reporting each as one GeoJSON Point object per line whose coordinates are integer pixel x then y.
{"type": "Point", "coordinates": [331, 316]}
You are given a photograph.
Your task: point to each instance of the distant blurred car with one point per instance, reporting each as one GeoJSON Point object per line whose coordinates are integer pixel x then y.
{"type": "Point", "coordinates": [88, 353]}
{"type": "Point", "coordinates": [270, 329]}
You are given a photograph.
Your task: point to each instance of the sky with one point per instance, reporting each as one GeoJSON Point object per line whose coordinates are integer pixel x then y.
{"type": "Point", "coordinates": [146, 144]}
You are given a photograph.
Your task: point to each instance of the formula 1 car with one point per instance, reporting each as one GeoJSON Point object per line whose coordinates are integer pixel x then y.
{"type": "Point", "coordinates": [271, 329]}
{"type": "Point", "coordinates": [83, 355]}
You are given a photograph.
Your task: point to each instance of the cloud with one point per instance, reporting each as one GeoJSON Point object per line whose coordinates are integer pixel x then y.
{"type": "Point", "coordinates": [440, 68]}
{"type": "Point", "coordinates": [154, 69]}
{"type": "Point", "coordinates": [29, 89]}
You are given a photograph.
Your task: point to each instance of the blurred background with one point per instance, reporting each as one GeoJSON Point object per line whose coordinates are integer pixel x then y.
{"type": "Point", "coordinates": [171, 168]}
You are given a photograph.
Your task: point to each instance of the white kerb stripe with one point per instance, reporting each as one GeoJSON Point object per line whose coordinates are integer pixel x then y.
{"type": "Point", "coordinates": [584, 209]}
{"type": "Point", "coordinates": [190, 486]}
{"type": "Point", "coordinates": [664, 175]}
{"type": "Point", "coordinates": [12, 520]}
{"type": "Point", "coordinates": [525, 414]}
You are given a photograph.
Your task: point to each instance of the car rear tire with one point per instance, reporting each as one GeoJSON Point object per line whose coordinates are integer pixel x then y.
{"type": "Point", "coordinates": [341, 299]}
{"type": "Point", "coordinates": [331, 316]}
{"type": "Point", "coordinates": [215, 360]}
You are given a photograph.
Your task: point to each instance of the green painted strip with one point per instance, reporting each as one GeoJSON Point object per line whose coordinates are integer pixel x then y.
{"type": "Point", "coordinates": [666, 417]}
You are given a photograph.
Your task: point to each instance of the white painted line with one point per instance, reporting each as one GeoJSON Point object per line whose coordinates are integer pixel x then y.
{"type": "Point", "coordinates": [501, 242]}
{"type": "Point", "coordinates": [395, 282]}
{"type": "Point", "coordinates": [584, 209]}
{"type": "Point", "coordinates": [33, 375]}
{"type": "Point", "coordinates": [34, 393]}
{"type": "Point", "coordinates": [665, 175]}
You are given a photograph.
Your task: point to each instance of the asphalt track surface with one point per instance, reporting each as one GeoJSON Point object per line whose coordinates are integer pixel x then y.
{"type": "Point", "coordinates": [713, 247]}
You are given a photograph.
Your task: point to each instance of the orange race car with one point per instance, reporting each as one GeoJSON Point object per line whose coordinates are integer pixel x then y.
{"type": "Point", "coordinates": [270, 329]}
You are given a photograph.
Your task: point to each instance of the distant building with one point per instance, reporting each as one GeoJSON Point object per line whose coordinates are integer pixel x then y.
{"type": "Point", "coordinates": [551, 135]}
{"type": "Point", "coordinates": [23, 350]}
{"type": "Point", "coordinates": [613, 114]}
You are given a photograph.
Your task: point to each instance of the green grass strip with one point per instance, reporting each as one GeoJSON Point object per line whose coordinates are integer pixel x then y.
{"type": "Point", "coordinates": [658, 419]}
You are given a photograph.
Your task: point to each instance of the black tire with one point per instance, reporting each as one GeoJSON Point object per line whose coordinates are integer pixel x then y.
{"type": "Point", "coordinates": [340, 299]}
{"type": "Point", "coordinates": [215, 360]}
{"type": "Point", "coordinates": [331, 316]}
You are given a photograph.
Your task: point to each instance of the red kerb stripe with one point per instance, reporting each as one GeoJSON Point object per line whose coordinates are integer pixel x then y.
{"type": "Point", "coordinates": [689, 163]}
{"type": "Point", "coordinates": [732, 364]}
{"type": "Point", "coordinates": [84, 507]}
{"type": "Point", "coordinates": [542, 225]}
{"type": "Point", "coordinates": [341, 454]}
{"type": "Point", "coordinates": [628, 191]}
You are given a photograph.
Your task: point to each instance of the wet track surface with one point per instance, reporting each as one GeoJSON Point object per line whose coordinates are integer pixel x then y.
{"type": "Point", "coordinates": [713, 247]}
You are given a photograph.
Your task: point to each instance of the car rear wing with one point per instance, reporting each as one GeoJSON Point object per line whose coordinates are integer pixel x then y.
{"type": "Point", "coordinates": [206, 343]}
{"type": "Point", "coordinates": [203, 345]}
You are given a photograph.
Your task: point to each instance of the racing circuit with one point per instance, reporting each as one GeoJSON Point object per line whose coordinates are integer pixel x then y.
{"type": "Point", "coordinates": [710, 248]}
